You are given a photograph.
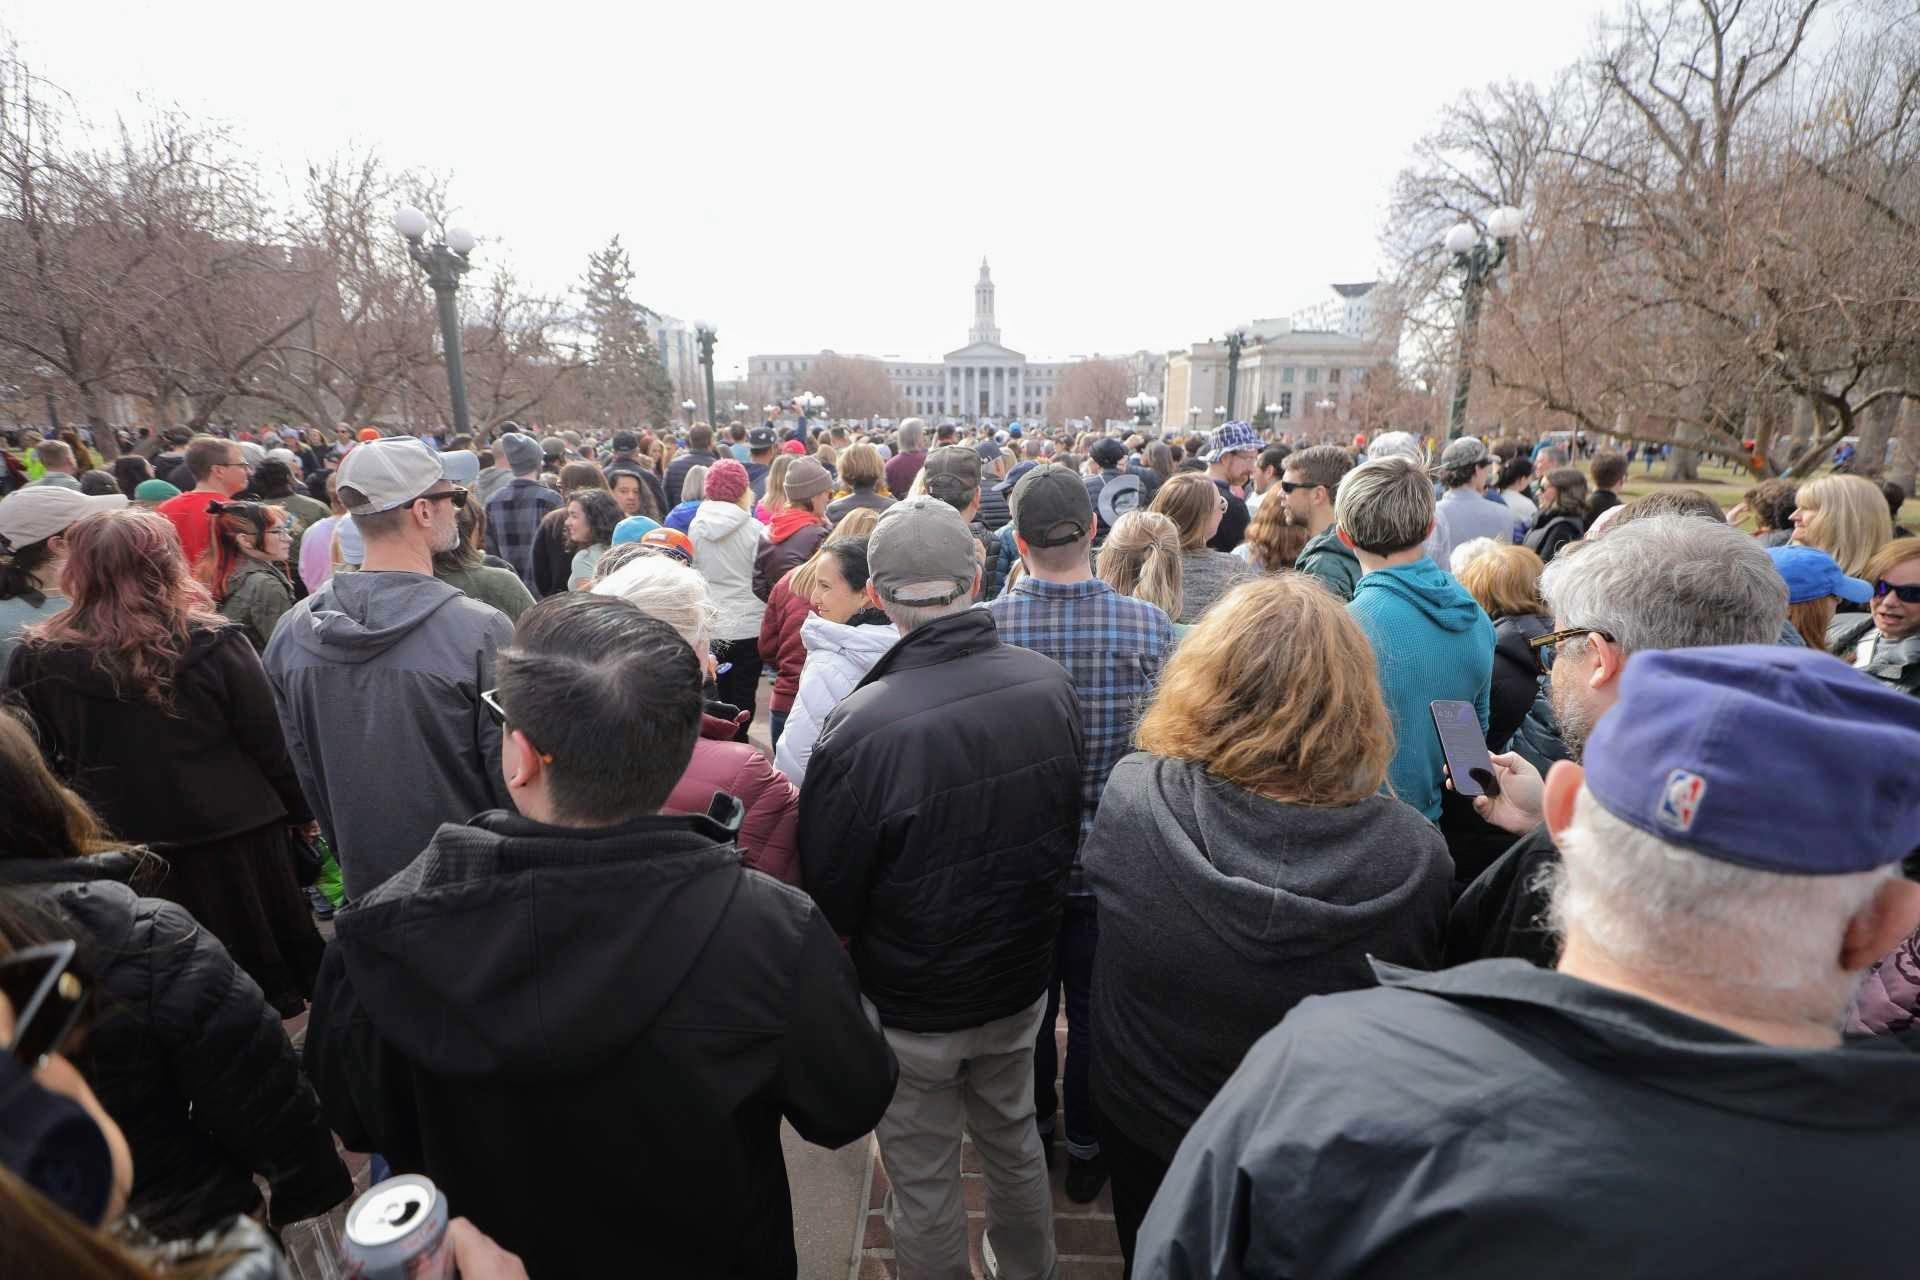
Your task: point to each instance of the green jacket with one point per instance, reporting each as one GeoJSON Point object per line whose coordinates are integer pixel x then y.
{"type": "Point", "coordinates": [1896, 664]}
{"type": "Point", "coordinates": [500, 588]}
{"type": "Point", "coordinates": [1332, 561]}
{"type": "Point", "coordinates": [257, 594]}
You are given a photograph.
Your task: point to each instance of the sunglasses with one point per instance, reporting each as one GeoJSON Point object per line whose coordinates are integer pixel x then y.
{"type": "Point", "coordinates": [47, 999]}
{"type": "Point", "coordinates": [1906, 593]}
{"type": "Point", "coordinates": [456, 495]}
{"type": "Point", "coordinates": [1546, 647]}
{"type": "Point", "coordinates": [1294, 486]}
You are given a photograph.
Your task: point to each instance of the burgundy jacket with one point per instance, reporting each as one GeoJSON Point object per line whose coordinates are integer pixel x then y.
{"type": "Point", "coordinates": [772, 803]}
{"type": "Point", "coordinates": [780, 644]}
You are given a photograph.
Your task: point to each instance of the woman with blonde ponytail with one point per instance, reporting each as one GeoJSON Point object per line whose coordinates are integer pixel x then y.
{"type": "Point", "coordinates": [1141, 558]}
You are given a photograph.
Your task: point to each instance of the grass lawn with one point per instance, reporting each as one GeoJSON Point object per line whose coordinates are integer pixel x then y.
{"type": "Point", "coordinates": [1723, 484]}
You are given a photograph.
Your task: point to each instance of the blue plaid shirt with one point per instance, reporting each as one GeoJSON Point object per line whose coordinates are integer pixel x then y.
{"type": "Point", "coordinates": [1113, 647]}
{"type": "Point", "coordinates": [513, 518]}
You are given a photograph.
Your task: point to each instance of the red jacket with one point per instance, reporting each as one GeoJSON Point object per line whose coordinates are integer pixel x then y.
{"type": "Point", "coordinates": [780, 642]}
{"type": "Point", "coordinates": [772, 803]}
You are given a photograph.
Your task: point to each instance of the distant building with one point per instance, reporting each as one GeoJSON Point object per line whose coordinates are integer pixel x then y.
{"type": "Point", "coordinates": [1307, 365]}
{"type": "Point", "coordinates": [980, 380]}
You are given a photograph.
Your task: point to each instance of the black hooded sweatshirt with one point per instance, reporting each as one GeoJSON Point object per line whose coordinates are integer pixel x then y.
{"type": "Point", "coordinates": [588, 1039]}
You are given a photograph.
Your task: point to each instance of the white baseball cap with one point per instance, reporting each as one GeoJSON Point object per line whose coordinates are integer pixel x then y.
{"type": "Point", "coordinates": [39, 511]}
{"type": "Point", "coordinates": [387, 473]}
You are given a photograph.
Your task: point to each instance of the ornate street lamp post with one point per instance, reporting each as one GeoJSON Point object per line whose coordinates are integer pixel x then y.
{"type": "Point", "coordinates": [687, 406]}
{"type": "Point", "coordinates": [1476, 257]}
{"type": "Point", "coordinates": [739, 411]}
{"type": "Point", "coordinates": [444, 261]}
{"type": "Point", "coordinates": [1219, 413]}
{"type": "Point", "coordinates": [1273, 416]}
{"type": "Point", "coordinates": [1236, 339]}
{"type": "Point", "coordinates": [705, 334]}
{"type": "Point", "coordinates": [1142, 406]}
{"type": "Point", "coordinates": [808, 404]}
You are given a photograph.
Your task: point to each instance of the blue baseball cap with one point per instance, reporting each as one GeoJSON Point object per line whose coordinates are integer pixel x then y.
{"type": "Point", "coordinates": [1812, 574]}
{"type": "Point", "coordinates": [1776, 758]}
{"type": "Point", "coordinates": [633, 528]}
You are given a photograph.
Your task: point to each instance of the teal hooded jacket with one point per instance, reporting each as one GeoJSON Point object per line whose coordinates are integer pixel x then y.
{"type": "Point", "coordinates": [1431, 640]}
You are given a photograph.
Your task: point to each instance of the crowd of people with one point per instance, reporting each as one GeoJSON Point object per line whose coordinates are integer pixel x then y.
{"type": "Point", "coordinates": [445, 744]}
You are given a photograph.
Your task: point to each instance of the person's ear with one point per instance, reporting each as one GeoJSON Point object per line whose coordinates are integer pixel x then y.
{"type": "Point", "coordinates": [1608, 662]}
{"type": "Point", "coordinates": [1020, 544]}
{"type": "Point", "coordinates": [1887, 920]}
{"type": "Point", "coordinates": [521, 760]}
{"type": "Point", "coordinates": [1557, 797]}
{"type": "Point", "coordinates": [873, 595]}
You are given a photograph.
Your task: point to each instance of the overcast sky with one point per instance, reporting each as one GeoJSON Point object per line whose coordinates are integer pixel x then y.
{"type": "Point", "coordinates": [828, 175]}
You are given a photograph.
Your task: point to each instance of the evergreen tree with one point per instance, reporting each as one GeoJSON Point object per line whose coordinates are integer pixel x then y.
{"type": "Point", "coordinates": [625, 382]}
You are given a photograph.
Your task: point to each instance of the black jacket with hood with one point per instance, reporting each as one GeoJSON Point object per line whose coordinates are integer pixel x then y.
{"type": "Point", "coordinates": [588, 1039]}
{"type": "Point", "coordinates": [210, 765]}
{"type": "Point", "coordinates": [186, 1056]}
{"type": "Point", "coordinates": [1498, 1120]}
{"type": "Point", "coordinates": [1220, 910]}
{"type": "Point", "coordinates": [378, 678]}
{"type": "Point", "coordinates": [938, 822]}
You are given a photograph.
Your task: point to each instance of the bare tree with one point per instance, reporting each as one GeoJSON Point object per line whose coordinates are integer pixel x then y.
{"type": "Point", "coordinates": [1096, 389]}
{"type": "Point", "coordinates": [853, 386]}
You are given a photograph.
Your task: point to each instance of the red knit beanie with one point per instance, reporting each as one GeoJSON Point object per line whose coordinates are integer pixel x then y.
{"type": "Point", "coordinates": [726, 481]}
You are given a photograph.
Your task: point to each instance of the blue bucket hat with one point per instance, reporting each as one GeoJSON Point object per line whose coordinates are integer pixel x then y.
{"type": "Point", "coordinates": [1690, 754]}
{"type": "Point", "coordinates": [1812, 574]}
{"type": "Point", "coordinates": [632, 529]}
{"type": "Point", "coordinates": [1234, 437]}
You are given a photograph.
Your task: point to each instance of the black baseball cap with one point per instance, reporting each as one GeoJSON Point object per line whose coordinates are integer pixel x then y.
{"type": "Point", "coordinates": [1051, 507]}
{"type": "Point", "coordinates": [1108, 452]}
{"type": "Point", "coordinates": [760, 438]}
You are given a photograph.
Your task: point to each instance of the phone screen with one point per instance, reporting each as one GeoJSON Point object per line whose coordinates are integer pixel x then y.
{"type": "Point", "coordinates": [1464, 747]}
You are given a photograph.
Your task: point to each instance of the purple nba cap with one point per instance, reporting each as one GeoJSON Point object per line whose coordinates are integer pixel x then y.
{"type": "Point", "coordinates": [1772, 757]}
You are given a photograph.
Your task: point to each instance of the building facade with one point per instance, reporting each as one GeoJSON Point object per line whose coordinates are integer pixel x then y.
{"type": "Point", "coordinates": [982, 380]}
{"type": "Point", "coordinates": [1308, 366]}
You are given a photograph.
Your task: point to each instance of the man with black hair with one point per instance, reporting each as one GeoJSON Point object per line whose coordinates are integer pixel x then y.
{"type": "Point", "coordinates": [699, 453]}
{"type": "Point", "coordinates": [626, 457]}
{"type": "Point", "coordinates": [585, 1022]}
{"type": "Point", "coordinates": [761, 443]}
{"type": "Point", "coordinates": [1266, 474]}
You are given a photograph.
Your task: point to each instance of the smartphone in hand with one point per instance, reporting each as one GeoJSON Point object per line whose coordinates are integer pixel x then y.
{"type": "Point", "coordinates": [1464, 746]}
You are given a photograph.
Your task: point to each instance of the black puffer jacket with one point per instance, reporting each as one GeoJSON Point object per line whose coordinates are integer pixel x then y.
{"type": "Point", "coordinates": [187, 1057]}
{"type": "Point", "coordinates": [938, 821]}
{"type": "Point", "coordinates": [1516, 675]}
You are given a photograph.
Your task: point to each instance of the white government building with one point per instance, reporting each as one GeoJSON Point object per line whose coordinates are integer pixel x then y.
{"type": "Point", "coordinates": [980, 380]}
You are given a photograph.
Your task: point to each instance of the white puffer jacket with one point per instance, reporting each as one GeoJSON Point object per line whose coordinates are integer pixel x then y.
{"type": "Point", "coordinates": [838, 657]}
{"type": "Point", "coordinates": [726, 540]}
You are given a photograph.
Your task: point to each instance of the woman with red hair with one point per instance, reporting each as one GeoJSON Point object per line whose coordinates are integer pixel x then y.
{"type": "Point", "coordinates": [247, 544]}
{"type": "Point", "coordinates": [156, 710]}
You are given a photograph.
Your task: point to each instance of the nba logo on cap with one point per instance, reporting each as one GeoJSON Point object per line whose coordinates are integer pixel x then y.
{"type": "Point", "coordinates": [1680, 799]}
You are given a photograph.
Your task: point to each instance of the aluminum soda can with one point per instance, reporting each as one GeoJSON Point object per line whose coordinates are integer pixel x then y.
{"type": "Point", "coordinates": [398, 1231]}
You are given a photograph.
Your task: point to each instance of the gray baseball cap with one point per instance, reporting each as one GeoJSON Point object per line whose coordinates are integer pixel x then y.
{"type": "Point", "coordinates": [1464, 452]}
{"type": "Point", "coordinates": [922, 553]}
{"type": "Point", "coordinates": [387, 473]}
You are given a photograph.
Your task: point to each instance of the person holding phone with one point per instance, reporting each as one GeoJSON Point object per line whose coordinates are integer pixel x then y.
{"type": "Point", "coordinates": [1243, 859]}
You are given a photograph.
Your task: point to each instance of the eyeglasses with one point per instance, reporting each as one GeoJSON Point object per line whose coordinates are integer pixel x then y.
{"type": "Point", "coordinates": [1544, 647]}
{"type": "Point", "coordinates": [456, 495]}
{"type": "Point", "coordinates": [1906, 593]}
{"type": "Point", "coordinates": [46, 996]}
{"type": "Point", "coordinates": [1294, 486]}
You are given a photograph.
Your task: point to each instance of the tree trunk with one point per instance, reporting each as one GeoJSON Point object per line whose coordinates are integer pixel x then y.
{"type": "Point", "coordinates": [1905, 459]}
{"type": "Point", "coordinates": [1683, 464]}
{"type": "Point", "coordinates": [105, 442]}
{"type": "Point", "coordinates": [1875, 430]}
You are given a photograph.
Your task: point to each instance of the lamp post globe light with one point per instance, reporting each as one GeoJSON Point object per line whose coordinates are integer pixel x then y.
{"type": "Point", "coordinates": [1237, 338]}
{"type": "Point", "coordinates": [1476, 257]}
{"type": "Point", "coordinates": [1273, 416]}
{"type": "Point", "coordinates": [739, 410]}
{"type": "Point", "coordinates": [1219, 413]}
{"type": "Point", "coordinates": [705, 334]}
{"type": "Point", "coordinates": [771, 411]}
{"type": "Point", "coordinates": [444, 262]}
{"type": "Point", "coordinates": [687, 406]}
{"type": "Point", "coordinates": [1142, 405]}
{"type": "Point", "coordinates": [1193, 414]}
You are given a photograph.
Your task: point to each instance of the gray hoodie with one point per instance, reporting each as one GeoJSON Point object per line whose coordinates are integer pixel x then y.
{"type": "Point", "coordinates": [1220, 910]}
{"type": "Point", "coordinates": [378, 679]}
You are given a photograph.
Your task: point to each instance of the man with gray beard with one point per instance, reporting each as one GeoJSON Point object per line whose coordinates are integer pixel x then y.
{"type": "Point", "coordinates": [1669, 582]}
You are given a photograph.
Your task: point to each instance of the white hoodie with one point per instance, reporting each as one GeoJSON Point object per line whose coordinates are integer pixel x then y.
{"type": "Point", "coordinates": [726, 539]}
{"type": "Point", "coordinates": [838, 658]}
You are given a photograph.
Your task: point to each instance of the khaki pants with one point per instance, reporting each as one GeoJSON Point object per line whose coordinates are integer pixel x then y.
{"type": "Point", "coordinates": [980, 1079]}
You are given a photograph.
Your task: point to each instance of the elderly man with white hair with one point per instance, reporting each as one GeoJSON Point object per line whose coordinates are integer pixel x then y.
{"type": "Point", "coordinates": [1675, 1099]}
{"type": "Point", "coordinates": [1666, 582]}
